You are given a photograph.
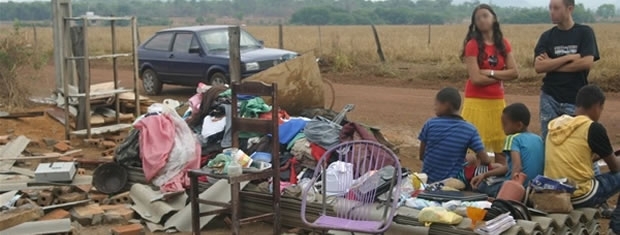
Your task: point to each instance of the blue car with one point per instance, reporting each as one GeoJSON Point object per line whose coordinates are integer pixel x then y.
{"type": "Point", "coordinates": [189, 55]}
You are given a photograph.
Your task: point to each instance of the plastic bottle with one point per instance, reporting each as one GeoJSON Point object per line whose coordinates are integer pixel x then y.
{"type": "Point", "coordinates": [234, 169]}
{"type": "Point", "coordinates": [513, 189]}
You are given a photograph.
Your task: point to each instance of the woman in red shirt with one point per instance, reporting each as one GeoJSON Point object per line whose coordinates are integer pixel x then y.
{"type": "Point", "coordinates": [490, 62]}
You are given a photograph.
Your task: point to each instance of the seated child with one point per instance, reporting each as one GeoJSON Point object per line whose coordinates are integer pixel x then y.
{"type": "Point", "coordinates": [568, 153]}
{"type": "Point", "coordinates": [524, 151]}
{"type": "Point", "coordinates": [445, 139]}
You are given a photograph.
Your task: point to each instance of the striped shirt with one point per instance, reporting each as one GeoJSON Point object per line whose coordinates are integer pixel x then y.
{"type": "Point", "coordinates": [447, 139]}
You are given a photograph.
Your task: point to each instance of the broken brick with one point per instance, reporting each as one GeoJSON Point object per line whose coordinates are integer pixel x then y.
{"type": "Point", "coordinates": [97, 197]}
{"type": "Point", "coordinates": [62, 147]}
{"type": "Point", "coordinates": [118, 216]}
{"type": "Point", "coordinates": [45, 198]}
{"type": "Point", "coordinates": [107, 152]}
{"type": "Point", "coordinates": [131, 229]}
{"type": "Point", "coordinates": [65, 159]}
{"type": "Point", "coordinates": [81, 171]}
{"type": "Point", "coordinates": [20, 215]}
{"type": "Point", "coordinates": [56, 214]}
{"type": "Point", "coordinates": [71, 197]}
{"type": "Point", "coordinates": [4, 139]}
{"type": "Point", "coordinates": [115, 138]}
{"type": "Point", "coordinates": [87, 215]}
{"type": "Point", "coordinates": [93, 142]}
{"type": "Point", "coordinates": [107, 144]}
{"type": "Point", "coordinates": [122, 198]}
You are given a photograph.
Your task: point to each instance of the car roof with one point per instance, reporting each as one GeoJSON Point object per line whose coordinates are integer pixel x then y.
{"type": "Point", "coordinates": [198, 28]}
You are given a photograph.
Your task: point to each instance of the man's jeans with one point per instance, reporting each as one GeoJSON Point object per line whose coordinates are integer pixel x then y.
{"type": "Point", "coordinates": [609, 185]}
{"type": "Point", "coordinates": [551, 109]}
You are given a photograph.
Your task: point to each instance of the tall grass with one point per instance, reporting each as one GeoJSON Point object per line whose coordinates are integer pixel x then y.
{"type": "Point", "coordinates": [352, 48]}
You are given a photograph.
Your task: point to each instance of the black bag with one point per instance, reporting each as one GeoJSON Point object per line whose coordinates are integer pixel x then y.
{"type": "Point", "coordinates": [517, 210]}
{"type": "Point", "coordinates": [128, 152]}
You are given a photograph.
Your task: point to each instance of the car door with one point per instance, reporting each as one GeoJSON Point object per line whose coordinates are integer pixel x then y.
{"type": "Point", "coordinates": [187, 68]}
{"type": "Point", "coordinates": [155, 54]}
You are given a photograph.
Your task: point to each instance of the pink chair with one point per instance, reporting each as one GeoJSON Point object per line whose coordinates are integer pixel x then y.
{"type": "Point", "coordinates": [360, 173]}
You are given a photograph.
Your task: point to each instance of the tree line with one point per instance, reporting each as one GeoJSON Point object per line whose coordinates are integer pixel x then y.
{"type": "Point", "coordinates": [308, 12]}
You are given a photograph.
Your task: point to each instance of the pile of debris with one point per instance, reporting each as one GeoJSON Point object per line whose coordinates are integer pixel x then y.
{"type": "Point", "coordinates": [58, 196]}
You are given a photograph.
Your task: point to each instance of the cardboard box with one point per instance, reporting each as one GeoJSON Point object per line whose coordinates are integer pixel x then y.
{"type": "Point", "coordinates": [55, 172]}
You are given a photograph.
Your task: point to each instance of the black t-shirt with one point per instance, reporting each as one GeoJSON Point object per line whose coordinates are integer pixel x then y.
{"type": "Point", "coordinates": [580, 39]}
{"type": "Point", "coordinates": [599, 141]}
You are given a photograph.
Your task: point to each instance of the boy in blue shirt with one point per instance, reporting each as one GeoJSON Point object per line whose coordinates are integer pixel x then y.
{"type": "Point", "coordinates": [525, 151]}
{"type": "Point", "coordinates": [445, 139]}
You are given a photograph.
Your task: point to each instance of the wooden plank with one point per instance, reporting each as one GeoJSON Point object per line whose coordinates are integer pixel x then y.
{"type": "Point", "coordinates": [12, 150]}
{"type": "Point", "coordinates": [21, 171]}
{"type": "Point", "coordinates": [58, 226]}
{"type": "Point", "coordinates": [21, 115]}
{"type": "Point", "coordinates": [130, 97]}
{"type": "Point", "coordinates": [97, 119]}
{"type": "Point", "coordinates": [103, 129]}
{"type": "Point", "coordinates": [19, 216]}
{"type": "Point", "coordinates": [234, 38]}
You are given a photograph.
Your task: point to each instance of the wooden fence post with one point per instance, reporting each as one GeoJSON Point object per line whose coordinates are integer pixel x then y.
{"type": "Point", "coordinates": [36, 42]}
{"type": "Point", "coordinates": [429, 34]}
{"type": "Point", "coordinates": [320, 43]}
{"type": "Point", "coordinates": [379, 50]}
{"type": "Point", "coordinates": [280, 37]}
{"type": "Point", "coordinates": [234, 54]}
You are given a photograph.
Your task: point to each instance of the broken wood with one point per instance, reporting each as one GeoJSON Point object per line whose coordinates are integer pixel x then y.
{"type": "Point", "coordinates": [21, 115]}
{"type": "Point", "coordinates": [58, 226]}
{"type": "Point", "coordinates": [65, 204]}
{"type": "Point", "coordinates": [44, 156]}
{"type": "Point", "coordinates": [13, 150]}
{"type": "Point", "coordinates": [20, 215]}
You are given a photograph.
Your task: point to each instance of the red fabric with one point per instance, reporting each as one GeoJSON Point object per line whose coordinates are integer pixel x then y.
{"type": "Point", "coordinates": [348, 132]}
{"type": "Point", "coordinates": [495, 90]}
{"type": "Point", "coordinates": [156, 141]}
{"type": "Point", "coordinates": [470, 170]}
{"type": "Point", "coordinates": [317, 151]}
{"type": "Point", "coordinates": [293, 176]}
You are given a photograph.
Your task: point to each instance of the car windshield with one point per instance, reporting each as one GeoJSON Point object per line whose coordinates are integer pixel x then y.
{"type": "Point", "coordinates": [216, 40]}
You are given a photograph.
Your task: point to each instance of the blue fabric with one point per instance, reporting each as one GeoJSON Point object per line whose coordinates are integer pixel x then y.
{"type": "Point", "coordinates": [447, 140]}
{"type": "Point", "coordinates": [490, 190]}
{"type": "Point", "coordinates": [290, 129]}
{"type": "Point", "coordinates": [551, 109]}
{"type": "Point", "coordinates": [532, 150]}
{"type": "Point", "coordinates": [609, 185]}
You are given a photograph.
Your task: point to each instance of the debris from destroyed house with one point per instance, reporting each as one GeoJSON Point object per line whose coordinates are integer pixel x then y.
{"type": "Point", "coordinates": [55, 172]}
{"type": "Point", "coordinates": [45, 198]}
{"type": "Point", "coordinates": [131, 229]}
{"type": "Point", "coordinates": [21, 114]}
{"type": "Point", "coordinates": [62, 147]}
{"type": "Point", "coordinates": [57, 226]}
{"type": "Point", "coordinates": [71, 197]}
{"type": "Point", "coordinates": [97, 197]}
{"type": "Point", "coordinates": [19, 215]}
{"type": "Point", "coordinates": [110, 178]}
{"type": "Point", "coordinates": [13, 149]}
{"type": "Point", "coordinates": [86, 215]}
{"type": "Point", "coordinates": [56, 214]}
{"type": "Point", "coordinates": [123, 198]}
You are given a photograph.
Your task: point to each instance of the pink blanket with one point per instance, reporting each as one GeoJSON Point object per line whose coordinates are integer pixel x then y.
{"type": "Point", "coordinates": [156, 132]}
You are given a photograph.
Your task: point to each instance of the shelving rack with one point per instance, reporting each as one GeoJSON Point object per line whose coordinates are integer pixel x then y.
{"type": "Point", "coordinates": [65, 58]}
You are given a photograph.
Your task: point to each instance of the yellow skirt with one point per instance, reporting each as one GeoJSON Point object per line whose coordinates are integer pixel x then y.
{"type": "Point", "coordinates": [486, 116]}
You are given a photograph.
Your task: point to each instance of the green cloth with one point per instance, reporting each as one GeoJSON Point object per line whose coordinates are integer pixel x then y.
{"type": "Point", "coordinates": [253, 107]}
{"type": "Point", "coordinates": [227, 93]}
{"type": "Point", "coordinates": [299, 136]}
{"type": "Point", "coordinates": [220, 162]}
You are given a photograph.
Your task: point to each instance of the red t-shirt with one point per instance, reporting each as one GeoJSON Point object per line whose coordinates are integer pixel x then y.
{"type": "Point", "coordinates": [492, 91]}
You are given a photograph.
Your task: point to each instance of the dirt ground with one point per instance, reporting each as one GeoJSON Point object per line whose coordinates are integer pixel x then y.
{"type": "Point", "coordinates": [398, 107]}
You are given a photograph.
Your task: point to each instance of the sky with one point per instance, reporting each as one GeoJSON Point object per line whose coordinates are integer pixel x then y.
{"type": "Point", "coordinates": [521, 3]}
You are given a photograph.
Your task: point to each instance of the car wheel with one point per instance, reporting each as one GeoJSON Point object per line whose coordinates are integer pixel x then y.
{"type": "Point", "coordinates": [150, 82]}
{"type": "Point", "coordinates": [218, 79]}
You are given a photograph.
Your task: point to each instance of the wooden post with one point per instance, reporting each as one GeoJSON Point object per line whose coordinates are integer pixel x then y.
{"type": "Point", "coordinates": [78, 41]}
{"type": "Point", "coordinates": [379, 50]}
{"type": "Point", "coordinates": [85, 81]}
{"type": "Point", "coordinates": [235, 54]}
{"type": "Point", "coordinates": [280, 37]}
{"type": "Point", "coordinates": [429, 34]}
{"type": "Point", "coordinates": [134, 46]}
{"type": "Point", "coordinates": [320, 42]}
{"type": "Point", "coordinates": [36, 42]}
{"type": "Point", "coordinates": [117, 103]}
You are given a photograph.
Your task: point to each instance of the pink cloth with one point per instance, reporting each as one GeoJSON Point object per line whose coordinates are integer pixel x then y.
{"type": "Point", "coordinates": [156, 142]}
{"type": "Point", "coordinates": [181, 181]}
{"type": "Point", "coordinates": [194, 102]}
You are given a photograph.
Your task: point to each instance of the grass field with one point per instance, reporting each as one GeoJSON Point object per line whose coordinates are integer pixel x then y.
{"type": "Point", "coordinates": [352, 48]}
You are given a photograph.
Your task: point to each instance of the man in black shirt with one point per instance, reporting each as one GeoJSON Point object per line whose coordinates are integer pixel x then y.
{"type": "Point", "coordinates": [565, 53]}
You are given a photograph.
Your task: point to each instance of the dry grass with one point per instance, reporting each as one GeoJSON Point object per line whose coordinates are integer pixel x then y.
{"type": "Point", "coordinates": [351, 48]}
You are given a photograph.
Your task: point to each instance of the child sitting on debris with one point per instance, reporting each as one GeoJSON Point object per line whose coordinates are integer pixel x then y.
{"type": "Point", "coordinates": [524, 151]}
{"type": "Point", "coordinates": [445, 139]}
{"type": "Point", "coordinates": [568, 153]}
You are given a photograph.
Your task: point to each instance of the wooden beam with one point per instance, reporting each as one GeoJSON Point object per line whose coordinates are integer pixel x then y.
{"type": "Point", "coordinates": [234, 51]}
{"type": "Point", "coordinates": [13, 150]}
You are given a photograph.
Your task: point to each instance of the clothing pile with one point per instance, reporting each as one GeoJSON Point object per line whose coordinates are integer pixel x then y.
{"type": "Point", "coordinates": [164, 147]}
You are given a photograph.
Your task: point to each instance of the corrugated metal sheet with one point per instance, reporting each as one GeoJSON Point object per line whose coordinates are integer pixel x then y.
{"type": "Point", "coordinates": [578, 222]}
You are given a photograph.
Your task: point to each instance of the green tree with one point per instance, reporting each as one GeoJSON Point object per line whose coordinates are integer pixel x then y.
{"type": "Point", "coordinates": [606, 11]}
{"type": "Point", "coordinates": [200, 20]}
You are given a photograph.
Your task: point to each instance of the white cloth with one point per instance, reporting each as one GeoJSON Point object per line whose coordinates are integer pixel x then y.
{"type": "Point", "coordinates": [212, 125]}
